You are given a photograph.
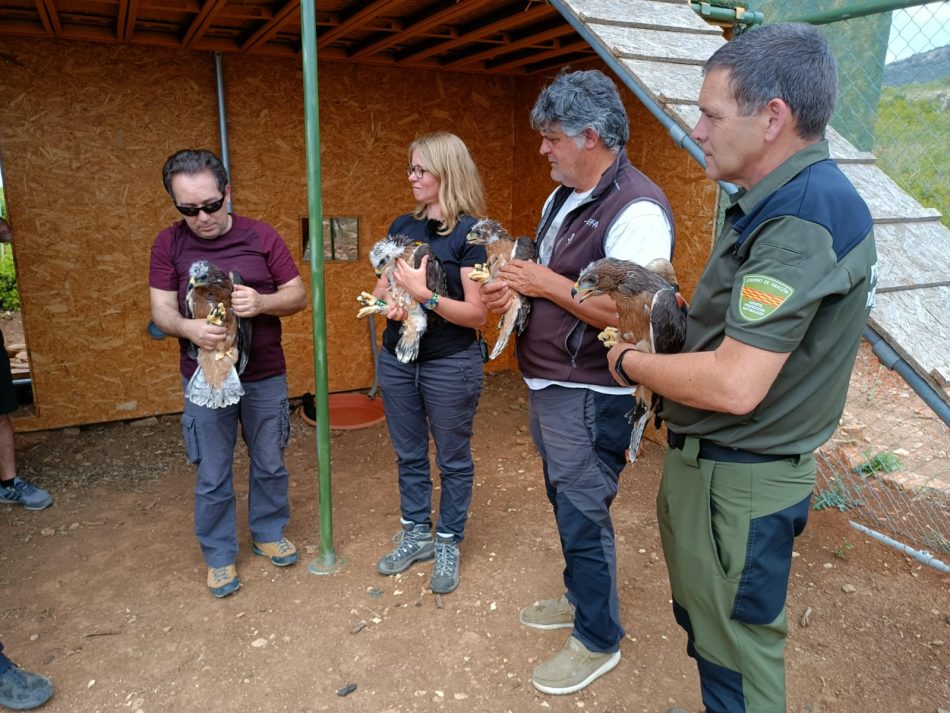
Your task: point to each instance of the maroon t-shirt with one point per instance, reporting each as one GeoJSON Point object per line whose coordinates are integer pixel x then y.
{"type": "Point", "coordinates": [253, 249]}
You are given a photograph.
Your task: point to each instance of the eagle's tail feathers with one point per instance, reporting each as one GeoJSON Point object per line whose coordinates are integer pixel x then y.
{"type": "Point", "coordinates": [201, 393]}
{"type": "Point", "coordinates": [411, 331]}
{"type": "Point", "coordinates": [640, 415]}
{"type": "Point", "coordinates": [507, 324]}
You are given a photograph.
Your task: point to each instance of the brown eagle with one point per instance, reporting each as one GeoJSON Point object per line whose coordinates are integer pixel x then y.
{"type": "Point", "coordinates": [216, 382]}
{"type": "Point", "coordinates": [383, 257]}
{"type": "Point", "coordinates": [502, 248]}
{"type": "Point", "coordinates": [649, 316]}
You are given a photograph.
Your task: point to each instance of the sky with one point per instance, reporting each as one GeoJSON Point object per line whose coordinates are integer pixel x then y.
{"type": "Point", "coordinates": [918, 29]}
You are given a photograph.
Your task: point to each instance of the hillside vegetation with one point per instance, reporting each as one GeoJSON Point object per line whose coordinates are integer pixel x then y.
{"type": "Point", "coordinates": [912, 141]}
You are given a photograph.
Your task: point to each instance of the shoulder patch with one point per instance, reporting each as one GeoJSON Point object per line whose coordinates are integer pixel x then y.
{"type": "Point", "coordinates": [761, 295]}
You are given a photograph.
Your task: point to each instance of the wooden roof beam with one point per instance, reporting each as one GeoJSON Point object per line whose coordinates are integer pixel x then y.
{"type": "Point", "coordinates": [202, 22]}
{"type": "Point", "coordinates": [419, 27]}
{"type": "Point", "coordinates": [504, 22]}
{"type": "Point", "coordinates": [552, 33]}
{"type": "Point", "coordinates": [266, 31]}
{"type": "Point", "coordinates": [359, 18]}
{"type": "Point", "coordinates": [49, 17]}
{"type": "Point", "coordinates": [534, 58]}
{"type": "Point", "coordinates": [127, 29]}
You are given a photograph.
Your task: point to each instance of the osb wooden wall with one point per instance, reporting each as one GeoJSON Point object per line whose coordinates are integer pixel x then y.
{"type": "Point", "coordinates": [85, 128]}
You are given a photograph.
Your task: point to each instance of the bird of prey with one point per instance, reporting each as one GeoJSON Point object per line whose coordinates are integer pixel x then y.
{"type": "Point", "coordinates": [383, 257]}
{"type": "Point", "coordinates": [502, 248]}
{"type": "Point", "coordinates": [216, 382]}
{"type": "Point", "coordinates": [649, 317]}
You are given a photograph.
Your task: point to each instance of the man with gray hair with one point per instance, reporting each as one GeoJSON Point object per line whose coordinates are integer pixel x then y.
{"type": "Point", "coordinates": [771, 339]}
{"type": "Point", "coordinates": [604, 207]}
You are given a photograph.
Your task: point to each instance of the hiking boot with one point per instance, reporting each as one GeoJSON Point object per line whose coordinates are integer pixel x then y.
{"type": "Point", "coordinates": [223, 581]}
{"type": "Point", "coordinates": [549, 614]}
{"type": "Point", "coordinates": [573, 668]}
{"type": "Point", "coordinates": [22, 690]}
{"type": "Point", "coordinates": [414, 543]}
{"type": "Point", "coordinates": [445, 573]}
{"type": "Point", "coordinates": [25, 494]}
{"type": "Point", "coordinates": [282, 553]}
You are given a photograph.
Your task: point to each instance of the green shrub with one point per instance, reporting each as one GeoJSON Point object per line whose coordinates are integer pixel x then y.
{"type": "Point", "coordinates": [913, 135]}
{"type": "Point", "coordinates": [9, 294]}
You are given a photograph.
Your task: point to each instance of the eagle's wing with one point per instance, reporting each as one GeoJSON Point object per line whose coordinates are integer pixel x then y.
{"type": "Point", "coordinates": [243, 342]}
{"type": "Point", "coordinates": [668, 322]}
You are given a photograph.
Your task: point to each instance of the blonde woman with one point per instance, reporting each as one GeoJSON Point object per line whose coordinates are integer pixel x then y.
{"type": "Point", "coordinates": [436, 393]}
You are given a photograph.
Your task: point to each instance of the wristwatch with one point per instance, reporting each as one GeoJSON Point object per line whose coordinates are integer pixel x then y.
{"type": "Point", "coordinates": [431, 302]}
{"type": "Point", "coordinates": [618, 368]}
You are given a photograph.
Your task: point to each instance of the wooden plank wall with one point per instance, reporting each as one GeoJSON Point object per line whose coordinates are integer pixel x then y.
{"type": "Point", "coordinates": [85, 128]}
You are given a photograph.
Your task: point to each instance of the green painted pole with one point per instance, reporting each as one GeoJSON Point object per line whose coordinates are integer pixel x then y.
{"type": "Point", "coordinates": [867, 7]}
{"type": "Point", "coordinates": [326, 561]}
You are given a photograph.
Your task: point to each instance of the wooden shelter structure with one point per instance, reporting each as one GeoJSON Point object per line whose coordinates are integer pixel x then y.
{"type": "Point", "coordinates": [97, 93]}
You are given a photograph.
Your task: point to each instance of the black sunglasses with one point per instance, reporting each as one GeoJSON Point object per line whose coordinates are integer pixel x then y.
{"type": "Point", "coordinates": [209, 208]}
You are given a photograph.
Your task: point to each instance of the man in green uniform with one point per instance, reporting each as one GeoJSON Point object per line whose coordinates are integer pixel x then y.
{"type": "Point", "coordinates": [772, 335]}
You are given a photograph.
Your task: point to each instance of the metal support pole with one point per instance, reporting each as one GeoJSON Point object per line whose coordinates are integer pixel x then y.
{"type": "Point", "coordinates": [222, 118]}
{"type": "Point", "coordinates": [866, 7]}
{"type": "Point", "coordinates": [326, 561]}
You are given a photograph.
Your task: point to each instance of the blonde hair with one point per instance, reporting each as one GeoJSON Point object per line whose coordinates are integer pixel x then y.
{"type": "Point", "coordinates": [461, 191]}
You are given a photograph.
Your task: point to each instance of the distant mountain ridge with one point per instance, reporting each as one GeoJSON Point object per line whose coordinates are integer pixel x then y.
{"type": "Point", "coordinates": [920, 68]}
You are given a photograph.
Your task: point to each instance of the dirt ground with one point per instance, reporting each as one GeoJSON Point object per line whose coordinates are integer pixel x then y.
{"type": "Point", "coordinates": [105, 591]}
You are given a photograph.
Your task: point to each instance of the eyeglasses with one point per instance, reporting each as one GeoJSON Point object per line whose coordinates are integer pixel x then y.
{"type": "Point", "coordinates": [417, 171]}
{"type": "Point", "coordinates": [209, 208]}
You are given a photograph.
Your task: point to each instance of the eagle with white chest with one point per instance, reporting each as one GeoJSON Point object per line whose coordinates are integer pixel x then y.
{"type": "Point", "coordinates": [383, 256]}
{"type": "Point", "coordinates": [502, 249]}
{"type": "Point", "coordinates": [216, 382]}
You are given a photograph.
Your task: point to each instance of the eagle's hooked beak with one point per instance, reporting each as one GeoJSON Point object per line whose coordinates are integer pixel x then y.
{"type": "Point", "coordinates": [581, 293]}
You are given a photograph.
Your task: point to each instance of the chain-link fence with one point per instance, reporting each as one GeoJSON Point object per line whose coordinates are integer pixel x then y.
{"type": "Point", "coordinates": [887, 465]}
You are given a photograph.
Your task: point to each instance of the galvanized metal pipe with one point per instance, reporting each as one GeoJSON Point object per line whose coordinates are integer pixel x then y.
{"type": "Point", "coordinates": [919, 555]}
{"type": "Point", "coordinates": [326, 560]}
{"type": "Point", "coordinates": [866, 7]}
{"type": "Point", "coordinates": [222, 116]}
{"type": "Point", "coordinates": [892, 360]}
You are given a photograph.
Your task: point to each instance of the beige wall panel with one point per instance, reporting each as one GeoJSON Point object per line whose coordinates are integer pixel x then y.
{"type": "Point", "coordinates": [84, 130]}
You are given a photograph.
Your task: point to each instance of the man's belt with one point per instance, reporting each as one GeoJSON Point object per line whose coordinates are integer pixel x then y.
{"type": "Point", "coordinates": [713, 451]}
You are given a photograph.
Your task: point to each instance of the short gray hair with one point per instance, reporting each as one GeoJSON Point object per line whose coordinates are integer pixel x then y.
{"type": "Point", "coordinates": [791, 62]}
{"type": "Point", "coordinates": [583, 100]}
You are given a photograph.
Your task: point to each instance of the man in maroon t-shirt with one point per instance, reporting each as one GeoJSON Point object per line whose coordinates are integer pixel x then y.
{"type": "Point", "coordinates": [271, 287]}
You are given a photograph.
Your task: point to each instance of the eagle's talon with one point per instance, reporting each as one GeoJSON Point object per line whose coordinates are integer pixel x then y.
{"type": "Point", "coordinates": [367, 300]}
{"type": "Point", "coordinates": [479, 273]}
{"type": "Point", "coordinates": [610, 336]}
{"type": "Point", "coordinates": [217, 315]}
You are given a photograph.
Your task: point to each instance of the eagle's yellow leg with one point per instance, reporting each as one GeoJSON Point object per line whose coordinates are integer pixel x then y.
{"type": "Point", "coordinates": [217, 315]}
{"type": "Point", "coordinates": [479, 273]}
{"type": "Point", "coordinates": [610, 336]}
{"type": "Point", "coordinates": [371, 305]}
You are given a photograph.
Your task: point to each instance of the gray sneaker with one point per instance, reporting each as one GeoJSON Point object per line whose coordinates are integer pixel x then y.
{"type": "Point", "coordinates": [445, 573]}
{"type": "Point", "coordinates": [549, 614]}
{"type": "Point", "coordinates": [574, 667]}
{"type": "Point", "coordinates": [414, 543]}
{"type": "Point", "coordinates": [26, 494]}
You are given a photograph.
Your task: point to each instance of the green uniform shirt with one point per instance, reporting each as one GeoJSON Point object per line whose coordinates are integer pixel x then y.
{"type": "Point", "coordinates": [793, 271]}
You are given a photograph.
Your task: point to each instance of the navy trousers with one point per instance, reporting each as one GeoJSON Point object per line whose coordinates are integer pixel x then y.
{"type": "Point", "coordinates": [582, 436]}
{"type": "Point", "coordinates": [437, 397]}
{"type": "Point", "coordinates": [210, 436]}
